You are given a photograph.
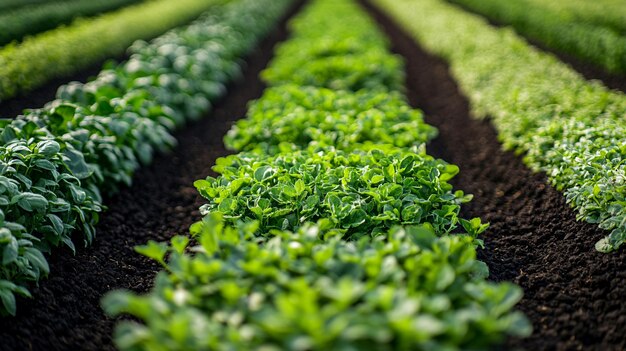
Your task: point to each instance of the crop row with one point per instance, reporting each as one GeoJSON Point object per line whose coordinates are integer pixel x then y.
{"type": "Point", "coordinates": [66, 50]}
{"type": "Point", "coordinates": [16, 24]}
{"type": "Point", "coordinates": [593, 42]}
{"type": "Point", "coordinates": [55, 161]}
{"type": "Point", "coordinates": [301, 247]}
{"type": "Point", "coordinates": [569, 128]}
{"type": "Point", "coordinates": [16, 4]}
{"type": "Point", "coordinates": [606, 13]}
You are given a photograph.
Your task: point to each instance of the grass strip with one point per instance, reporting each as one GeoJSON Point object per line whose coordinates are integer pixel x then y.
{"type": "Point", "coordinates": [65, 50]}
{"type": "Point", "coordinates": [588, 39]}
{"type": "Point", "coordinates": [16, 24]}
{"type": "Point", "coordinates": [15, 4]}
{"type": "Point", "coordinates": [605, 13]}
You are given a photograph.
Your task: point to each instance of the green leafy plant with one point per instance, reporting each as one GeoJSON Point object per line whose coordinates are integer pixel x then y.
{"type": "Point", "coordinates": [309, 115]}
{"type": "Point", "coordinates": [55, 161]}
{"type": "Point", "coordinates": [300, 247]}
{"type": "Point", "coordinates": [312, 290]}
{"type": "Point", "coordinates": [361, 192]}
{"type": "Point", "coordinates": [348, 55]}
{"type": "Point", "coordinates": [21, 262]}
{"type": "Point", "coordinates": [570, 128]}
{"type": "Point", "coordinates": [41, 203]}
{"type": "Point", "coordinates": [324, 72]}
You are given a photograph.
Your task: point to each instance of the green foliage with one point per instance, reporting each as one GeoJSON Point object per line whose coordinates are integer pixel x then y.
{"type": "Point", "coordinates": [55, 161]}
{"type": "Point", "coordinates": [40, 189]}
{"type": "Point", "coordinates": [323, 72]}
{"type": "Point", "coordinates": [65, 50]}
{"type": "Point", "coordinates": [596, 43]}
{"type": "Point", "coordinates": [109, 146]}
{"type": "Point", "coordinates": [341, 55]}
{"type": "Point", "coordinates": [568, 127]}
{"type": "Point", "coordinates": [15, 4]}
{"type": "Point", "coordinates": [300, 247]}
{"type": "Point", "coordinates": [602, 13]}
{"type": "Point", "coordinates": [16, 24]}
{"type": "Point", "coordinates": [41, 203]}
{"type": "Point", "coordinates": [361, 192]}
{"type": "Point", "coordinates": [312, 290]}
{"type": "Point", "coordinates": [309, 115]}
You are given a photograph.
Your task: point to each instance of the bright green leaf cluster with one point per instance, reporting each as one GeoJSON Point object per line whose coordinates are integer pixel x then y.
{"type": "Point", "coordinates": [568, 127]}
{"type": "Point", "coordinates": [300, 247]}
{"type": "Point", "coordinates": [55, 161]}
{"type": "Point", "coordinates": [342, 55]}
{"type": "Point", "coordinates": [592, 41]}
{"type": "Point", "coordinates": [108, 146]}
{"type": "Point", "coordinates": [16, 24]}
{"type": "Point", "coordinates": [40, 190]}
{"type": "Point", "coordinates": [323, 117]}
{"type": "Point", "coordinates": [41, 203]}
{"type": "Point", "coordinates": [312, 290]}
{"type": "Point", "coordinates": [361, 192]}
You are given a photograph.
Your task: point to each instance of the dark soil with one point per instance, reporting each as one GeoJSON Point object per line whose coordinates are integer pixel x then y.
{"type": "Point", "coordinates": [574, 295]}
{"type": "Point", "coordinates": [37, 98]}
{"type": "Point", "coordinates": [588, 70]}
{"type": "Point", "coordinates": [65, 313]}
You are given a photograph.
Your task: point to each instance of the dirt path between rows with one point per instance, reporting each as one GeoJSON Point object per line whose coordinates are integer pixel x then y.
{"type": "Point", "coordinates": [65, 313]}
{"type": "Point", "coordinates": [573, 294]}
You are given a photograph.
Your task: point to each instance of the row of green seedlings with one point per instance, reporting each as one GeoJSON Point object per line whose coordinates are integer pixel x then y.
{"type": "Point", "coordinates": [6, 5]}
{"type": "Point", "coordinates": [68, 49]}
{"type": "Point", "coordinates": [571, 129]}
{"type": "Point", "coordinates": [596, 43]}
{"type": "Point", "coordinates": [56, 161]}
{"type": "Point", "coordinates": [301, 245]}
{"type": "Point", "coordinates": [16, 24]}
{"type": "Point", "coordinates": [606, 13]}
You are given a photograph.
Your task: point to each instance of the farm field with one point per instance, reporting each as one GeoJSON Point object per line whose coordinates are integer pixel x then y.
{"type": "Point", "coordinates": [314, 175]}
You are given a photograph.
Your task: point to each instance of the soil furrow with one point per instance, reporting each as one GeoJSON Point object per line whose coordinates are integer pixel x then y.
{"type": "Point", "coordinates": [573, 294]}
{"type": "Point", "coordinates": [65, 313]}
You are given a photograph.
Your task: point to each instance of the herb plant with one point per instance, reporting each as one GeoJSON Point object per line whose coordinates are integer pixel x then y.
{"type": "Point", "coordinates": [361, 192]}
{"type": "Point", "coordinates": [323, 117]}
{"type": "Point", "coordinates": [312, 290]}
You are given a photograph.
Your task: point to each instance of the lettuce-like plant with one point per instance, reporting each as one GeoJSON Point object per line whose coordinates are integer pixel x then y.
{"type": "Point", "coordinates": [362, 192]}
{"type": "Point", "coordinates": [317, 116]}
{"type": "Point", "coordinates": [312, 290]}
